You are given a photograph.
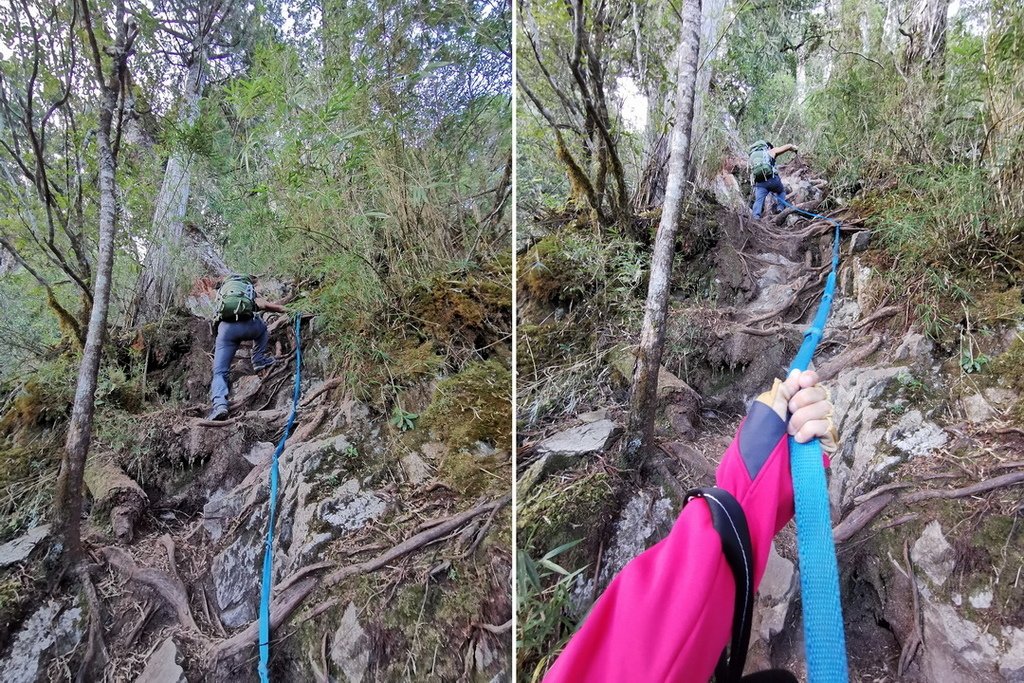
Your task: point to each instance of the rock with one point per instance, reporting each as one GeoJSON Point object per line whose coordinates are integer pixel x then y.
{"type": "Point", "coordinates": [1011, 664]}
{"type": "Point", "coordinates": [593, 416]}
{"type": "Point", "coordinates": [261, 453]}
{"type": "Point", "coordinates": [20, 548]}
{"type": "Point", "coordinates": [53, 630]}
{"type": "Point", "coordinates": [352, 509]}
{"type": "Point", "coordinates": [916, 351]}
{"type": "Point", "coordinates": [859, 459]}
{"type": "Point", "coordinates": [647, 516]}
{"type": "Point", "coordinates": [578, 441]}
{"type": "Point", "coordinates": [859, 242]}
{"type": "Point", "coordinates": [727, 191]}
{"type": "Point", "coordinates": [915, 436]}
{"type": "Point", "coordinates": [981, 599]}
{"type": "Point", "coordinates": [774, 596]}
{"type": "Point", "coordinates": [977, 409]}
{"type": "Point", "coordinates": [350, 649]}
{"type": "Point", "coordinates": [957, 649]}
{"type": "Point", "coordinates": [220, 511]}
{"type": "Point", "coordinates": [162, 666]}
{"type": "Point", "coordinates": [933, 554]}
{"type": "Point", "coordinates": [416, 469]}
{"type": "Point", "coordinates": [1001, 398]}
{"type": "Point", "coordinates": [236, 572]}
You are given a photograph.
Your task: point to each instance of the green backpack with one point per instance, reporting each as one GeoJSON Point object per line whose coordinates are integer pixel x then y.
{"type": "Point", "coordinates": [762, 165]}
{"type": "Point", "coordinates": [236, 300]}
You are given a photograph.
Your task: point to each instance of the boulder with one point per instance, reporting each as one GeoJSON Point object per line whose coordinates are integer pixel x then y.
{"type": "Point", "coordinates": [236, 575]}
{"type": "Point", "coordinates": [774, 596]}
{"type": "Point", "coordinates": [415, 467]}
{"type": "Point", "coordinates": [916, 436]}
{"type": "Point", "coordinates": [352, 509]}
{"type": "Point", "coordinates": [977, 409]}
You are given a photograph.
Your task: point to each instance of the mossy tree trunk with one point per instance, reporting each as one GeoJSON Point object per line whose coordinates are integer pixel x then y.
{"type": "Point", "coordinates": [68, 495]}
{"type": "Point", "coordinates": [643, 398]}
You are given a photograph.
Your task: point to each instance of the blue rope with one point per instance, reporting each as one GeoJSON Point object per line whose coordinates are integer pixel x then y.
{"type": "Point", "coordinates": [824, 639]}
{"type": "Point", "coordinates": [268, 554]}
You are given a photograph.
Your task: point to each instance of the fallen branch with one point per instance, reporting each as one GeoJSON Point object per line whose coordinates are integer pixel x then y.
{"type": "Point", "coordinates": [169, 588]}
{"type": "Point", "coordinates": [860, 517]}
{"type": "Point", "coordinates": [999, 482]}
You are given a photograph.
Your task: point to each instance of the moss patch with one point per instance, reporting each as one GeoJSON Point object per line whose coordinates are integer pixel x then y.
{"type": "Point", "coordinates": [474, 405]}
{"type": "Point", "coordinates": [564, 508]}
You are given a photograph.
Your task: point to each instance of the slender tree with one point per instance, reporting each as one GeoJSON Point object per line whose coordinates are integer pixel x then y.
{"type": "Point", "coordinates": [643, 400]}
{"type": "Point", "coordinates": [110, 82]}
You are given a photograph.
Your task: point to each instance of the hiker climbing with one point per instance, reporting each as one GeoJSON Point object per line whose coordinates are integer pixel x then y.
{"type": "Point", "coordinates": [666, 616]}
{"type": "Point", "coordinates": [237, 306]}
{"type": "Point", "coordinates": [764, 175]}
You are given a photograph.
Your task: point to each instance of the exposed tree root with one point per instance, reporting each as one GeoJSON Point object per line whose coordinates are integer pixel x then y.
{"type": "Point", "coordinates": [296, 592]}
{"type": "Point", "coordinates": [849, 357]}
{"type": "Point", "coordinates": [885, 312]}
{"type": "Point", "coordinates": [95, 657]}
{"type": "Point", "coordinates": [327, 386]}
{"type": "Point", "coordinates": [170, 588]}
{"type": "Point", "coordinates": [916, 639]}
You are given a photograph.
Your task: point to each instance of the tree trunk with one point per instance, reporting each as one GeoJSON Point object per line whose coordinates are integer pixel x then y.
{"type": "Point", "coordinates": [643, 399]}
{"type": "Point", "coordinates": [158, 283]}
{"type": "Point", "coordinates": [68, 494]}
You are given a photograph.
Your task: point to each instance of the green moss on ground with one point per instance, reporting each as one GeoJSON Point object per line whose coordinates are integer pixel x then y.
{"type": "Point", "coordinates": [473, 405]}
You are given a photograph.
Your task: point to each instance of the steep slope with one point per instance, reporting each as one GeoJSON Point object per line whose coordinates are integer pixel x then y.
{"type": "Point", "coordinates": [925, 485]}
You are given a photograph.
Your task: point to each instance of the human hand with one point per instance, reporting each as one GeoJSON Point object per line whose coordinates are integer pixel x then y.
{"type": "Point", "coordinates": [808, 406]}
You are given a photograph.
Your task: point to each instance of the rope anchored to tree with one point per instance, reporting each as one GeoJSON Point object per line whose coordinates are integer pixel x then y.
{"type": "Point", "coordinates": [268, 553]}
{"type": "Point", "coordinates": [825, 641]}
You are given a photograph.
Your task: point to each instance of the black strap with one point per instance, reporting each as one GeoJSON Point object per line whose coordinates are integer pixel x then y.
{"type": "Point", "coordinates": [730, 522]}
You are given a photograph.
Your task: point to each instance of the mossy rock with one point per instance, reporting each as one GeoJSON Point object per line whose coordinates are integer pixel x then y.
{"type": "Point", "coordinates": [473, 405]}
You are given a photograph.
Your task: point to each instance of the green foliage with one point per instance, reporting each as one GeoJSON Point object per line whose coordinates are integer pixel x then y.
{"type": "Point", "coordinates": [402, 420]}
{"type": "Point", "coordinates": [473, 405]}
{"type": "Point", "coordinates": [543, 592]}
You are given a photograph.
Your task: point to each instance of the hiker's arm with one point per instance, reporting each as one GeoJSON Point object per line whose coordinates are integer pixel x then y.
{"type": "Point", "coordinates": [667, 616]}
{"type": "Point", "coordinates": [776, 151]}
{"type": "Point", "coordinates": [264, 305]}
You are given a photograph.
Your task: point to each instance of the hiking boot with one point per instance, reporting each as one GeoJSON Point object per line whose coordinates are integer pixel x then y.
{"type": "Point", "coordinates": [219, 413]}
{"type": "Point", "coordinates": [257, 366]}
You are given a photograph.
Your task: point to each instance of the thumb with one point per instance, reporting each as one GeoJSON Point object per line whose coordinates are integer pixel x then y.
{"type": "Point", "coordinates": [777, 398]}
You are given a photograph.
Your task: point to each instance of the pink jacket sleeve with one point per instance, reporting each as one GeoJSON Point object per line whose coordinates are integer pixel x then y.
{"type": "Point", "coordinates": [667, 616]}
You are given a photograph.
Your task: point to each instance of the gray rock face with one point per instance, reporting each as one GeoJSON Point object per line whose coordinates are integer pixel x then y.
{"type": "Point", "coordinates": [916, 351]}
{"type": "Point", "coordinates": [236, 576]}
{"type": "Point", "coordinates": [54, 630]}
{"type": "Point", "coordinates": [587, 438]}
{"type": "Point", "coordinates": [20, 548]}
{"type": "Point", "coordinates": [645, 516]}
{"type": "Point", "coordinates": [916, 436]}
{"type": "Point", "coordinates": [350, 647]}
{"type": "Point", "coordinates": [162, 666]}
{"type": "Point", "coordinates": [352, 509]}
{"type": "Point", "coordinates": [933, 554]}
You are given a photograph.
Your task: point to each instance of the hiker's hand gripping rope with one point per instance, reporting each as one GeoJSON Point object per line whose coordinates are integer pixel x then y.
{"type": "Point", "coordinates": [808, 406]}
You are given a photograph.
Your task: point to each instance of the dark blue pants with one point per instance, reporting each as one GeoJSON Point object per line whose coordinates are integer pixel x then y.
{"type": "Point", "coordinates": [762, 189]}
{"type": "Point", "coordinates": [229, 337]}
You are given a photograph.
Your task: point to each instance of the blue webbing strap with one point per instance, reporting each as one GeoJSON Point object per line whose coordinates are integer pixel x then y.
{"type": "Point", "coordinates": [268, 554]}
{"type": "Point", "coordinates": [824, 639]}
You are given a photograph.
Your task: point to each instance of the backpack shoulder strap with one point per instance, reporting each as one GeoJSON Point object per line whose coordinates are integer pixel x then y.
{"type": "Point", "coordinates": [730, 522]}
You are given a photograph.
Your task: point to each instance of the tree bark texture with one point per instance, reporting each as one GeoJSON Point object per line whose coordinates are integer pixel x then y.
{"type": "Point", "coordinates": [68, 494]}
{"type": "Point", "coordinates": [643, 399]}
{"type": "Point", "coordinates": [158, 283]}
